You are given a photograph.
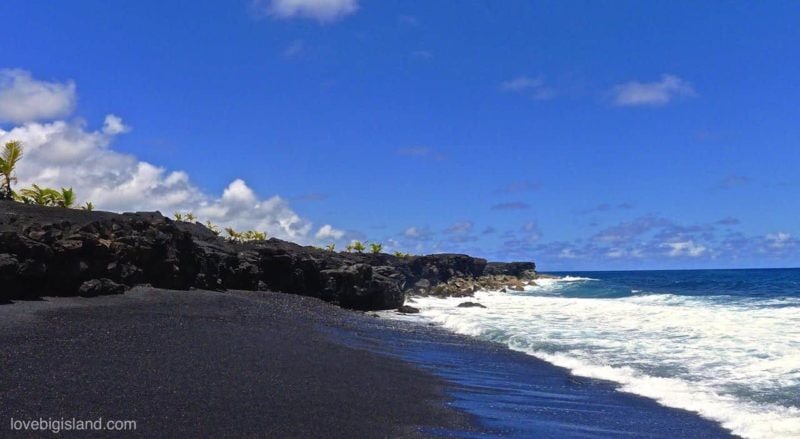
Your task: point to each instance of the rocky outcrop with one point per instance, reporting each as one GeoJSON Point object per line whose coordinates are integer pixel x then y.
{"type": "Point", "coordinates": [470, 305]}
{"type": "Point", "coordinates": [54, 251]}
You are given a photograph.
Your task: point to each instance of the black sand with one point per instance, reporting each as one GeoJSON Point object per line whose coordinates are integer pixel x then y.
{"type": "Point", "coordinates": [200, 364]}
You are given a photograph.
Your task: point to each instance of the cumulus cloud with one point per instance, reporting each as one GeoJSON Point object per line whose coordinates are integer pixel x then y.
{"type": "Point", "coordinates": [328, 232]}
{"type": "Point", "coordinates": [418, 233]}
{"type": "Point", "coordinates": [64, 153]}
{"type": "Point", "coordinates": [684, 248]}
{"type": "Point", "coordinates": [323, 11]}
{"type": "Point", "coordinates": [25, 99]}
{"type": "Point", "coordinates": [635, 93]}
{"type": "Point", "coordinates": [113, 125]}
{"type": "Point", "coordinates": [780, 240]}
{"type": "Point", "coordinates": [527, 85]}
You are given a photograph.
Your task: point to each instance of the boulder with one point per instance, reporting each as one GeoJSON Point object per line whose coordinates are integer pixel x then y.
{"type": "Point", "coordinates": [405, 309]}
{"type": "Point", "coordinates": [470, 305]}
{"type": "Point", "coordinates": [100, 287]}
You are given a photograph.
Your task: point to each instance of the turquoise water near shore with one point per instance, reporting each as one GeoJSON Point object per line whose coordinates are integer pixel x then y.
{"type": "Point", "coordinates": [722, 343]}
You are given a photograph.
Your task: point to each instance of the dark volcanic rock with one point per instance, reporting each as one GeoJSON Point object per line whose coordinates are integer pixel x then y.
{"type": "Point", "coordinates": [517, 269]}
{"type": "Point", "coordinates": [405, 309]}
{"type": "Point", "coordinates": [100, 287]}
{"type": "Point", "coordinates": [67, 252]}
{"type": "Point", "coordinates": [470, 305]}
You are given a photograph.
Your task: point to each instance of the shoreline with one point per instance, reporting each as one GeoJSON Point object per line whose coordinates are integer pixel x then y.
{"type": "Point", "coordinates": [197, 361]}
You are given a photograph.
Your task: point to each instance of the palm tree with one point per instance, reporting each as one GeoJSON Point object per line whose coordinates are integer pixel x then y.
{"type": "Point", "coordinates": [358, 246]}
{"type": "Point", "coordinates": [41, 196]}
{"type": "Point", "coordinates": [12, 153]}
{"type": "Point", "coordinates": [178, 216]}
{"type": "Point", "coordinates": [375, 247]}
{"type": "Point", "coordinates": [190, 217]}
{"type": "Point", "coordinates": [331, 247]}
{"type": "Point", "coordinates": [88, 206]}
{"type": "Point", "coordinates": [233, 235]}
{"type": "Point", "coordinates": [66, 198]}
{"type": "Point", "coordinates": [213, 227]}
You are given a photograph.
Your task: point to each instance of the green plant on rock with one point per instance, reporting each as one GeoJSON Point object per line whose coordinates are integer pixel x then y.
{"type": "Point", "coordinates": [178, 216]}
{"type": "Point", "coordinates": [40, 196]}
{"type": "Point", "coordinates": [253, 235]}
{"type": "Point", "coordinates": [88, 206]}
{"type": "Point", "coordinates": [66, 198]}
{"type": "Point", "coordinates": [233, 235]}
{"type": "Point", "coordinates": [331, 247]}
{"type": "Point", "coordinates": [358, 246]}
{"type": "Point", "coordinates": [190, 217]}
{"type": "Point", "coordinates": [375, 247]}
{"type": "Point", "coordinates": [401, 255]}
{"type": "Point", "coordinates": [213, 227]}
{"type": "Point", "coordinates": [12, 154]}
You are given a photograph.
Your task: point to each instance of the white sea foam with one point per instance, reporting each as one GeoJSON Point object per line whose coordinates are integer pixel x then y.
{"type": "Point", "coordinates": [735, 363]}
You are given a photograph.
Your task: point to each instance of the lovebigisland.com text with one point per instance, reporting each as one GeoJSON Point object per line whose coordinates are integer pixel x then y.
{"type": "Point", "coordinates": [57, 425]}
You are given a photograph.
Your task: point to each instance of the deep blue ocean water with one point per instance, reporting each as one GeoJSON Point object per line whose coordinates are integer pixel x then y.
{"type": "Point", "coordinates": [724, 344]}
{"type": "Point", "coordinates": [748, 284]}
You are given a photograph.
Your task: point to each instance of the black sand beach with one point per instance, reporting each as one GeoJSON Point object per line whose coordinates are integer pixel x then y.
{"type": "Point", "coordinates": [256, 364]}
{"type": "Point", "coordinates": [206, 364]}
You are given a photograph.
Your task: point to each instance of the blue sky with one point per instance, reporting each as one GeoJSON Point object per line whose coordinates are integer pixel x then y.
{"type": "Point", "coordinates": [581, 135]}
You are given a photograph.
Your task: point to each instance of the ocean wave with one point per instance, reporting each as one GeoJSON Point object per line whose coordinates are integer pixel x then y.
{"type": "Point", "coordinates": [729, 362]}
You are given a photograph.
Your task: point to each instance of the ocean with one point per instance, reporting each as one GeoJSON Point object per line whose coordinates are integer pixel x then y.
{"type": "Point", "coordinates": [724, 344]}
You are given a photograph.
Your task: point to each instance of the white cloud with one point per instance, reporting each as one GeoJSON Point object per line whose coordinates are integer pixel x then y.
{"type": "Point", "coordinates": [324, 11]}
{"type": "Point", "coordinates": [779, 240]}
{"type": "Point", "coordinates": [685, 248]}
{"type": "Point", "coordinates": [328, 232]}
{"type": "Point", "coordinates": [69, 154]}
{"type": "Point", "coordinates": [535, 87]}
{"type": "Point", "coordinates": [656, 93]}
{"type": "Point", "coordinates": [113, 125]}
{"type": "Point", "coordinates": [412, 232]}
{"type": "Point", "coordinates": [25, 99]}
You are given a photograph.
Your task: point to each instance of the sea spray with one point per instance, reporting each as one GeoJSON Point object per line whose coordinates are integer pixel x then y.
{"type": "Point", "coordinates": [733, 358]}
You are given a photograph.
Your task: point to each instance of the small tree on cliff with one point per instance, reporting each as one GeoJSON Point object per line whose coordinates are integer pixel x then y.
{"type": "Point", "coordinates": [358, 246]}
{"type": "Point", "coordinates": [12, 153]}
{"type": "Point", "coordinates": [375, 247]}
{"type": "Point", "coordinates": [67, 198]}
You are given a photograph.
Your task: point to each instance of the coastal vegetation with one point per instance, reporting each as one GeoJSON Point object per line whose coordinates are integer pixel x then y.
{"type": "Point", "coordinates": [250, 235]}
{"type": "Point", "coordinates": [40, 196]}
{"type": "Point", "coordinates": [65, 197]}
{"type": "Point", "coordinates": [356, 246]}
{"type": "Point", "coordinates": [12, 154]}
